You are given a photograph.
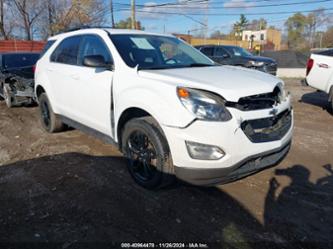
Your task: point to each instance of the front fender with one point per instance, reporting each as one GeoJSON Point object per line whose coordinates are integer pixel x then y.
{"type": "Point", "coordinates": [160, 101]}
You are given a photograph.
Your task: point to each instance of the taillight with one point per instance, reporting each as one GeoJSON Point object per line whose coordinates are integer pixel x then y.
{"type": "Point", "coordinates": [34, 68]}
{"type": "Point", "coordinates": [309, 66]}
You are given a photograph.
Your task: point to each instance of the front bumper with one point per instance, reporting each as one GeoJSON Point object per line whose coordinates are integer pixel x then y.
{"type": "Point", "coordinates": [245, 168]}
{"type": "Point", "coordinates": [232, 139]}
{"type": "Point", "coordinates": [270, 68]}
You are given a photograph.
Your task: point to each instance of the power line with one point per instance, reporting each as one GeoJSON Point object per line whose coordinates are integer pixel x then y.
{"type": "Point", "coordinates": [228, 14]}
{"type": "Point", "coordinates": [187, 6]}
{"type": "Point", "coordinates": [184, 3]}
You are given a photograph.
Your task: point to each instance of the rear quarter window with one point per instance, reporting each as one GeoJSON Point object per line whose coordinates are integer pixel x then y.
{"type": "Point", "coordinates": [46, 47]}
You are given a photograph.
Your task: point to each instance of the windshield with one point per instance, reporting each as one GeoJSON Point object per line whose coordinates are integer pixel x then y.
{"type": "Point", "coordinates": [10, 61]}
{"type": "Point", "coordinates": [157, 52]}
{"type": "Point", "coordinates": [238, 51]}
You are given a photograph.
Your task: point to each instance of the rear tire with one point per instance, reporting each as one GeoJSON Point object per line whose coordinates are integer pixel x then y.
{"type": "Point", "coordinates": [148, 154]}
{"type": "Point", "coordinates": [1, 91]}
{"type": "Point", "coordinates": [49, 120]}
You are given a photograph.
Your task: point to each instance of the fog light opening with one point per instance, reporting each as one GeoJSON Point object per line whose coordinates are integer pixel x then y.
{"type": "Point", "coordinates": [204, 151]}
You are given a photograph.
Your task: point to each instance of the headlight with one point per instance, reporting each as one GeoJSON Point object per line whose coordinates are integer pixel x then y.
{"type": "Point", "coordinates": [256, 63]}
{"type": "Point", "coordinates": [204, 105]}
{"type": "Point", "coordinates": [282, 94]}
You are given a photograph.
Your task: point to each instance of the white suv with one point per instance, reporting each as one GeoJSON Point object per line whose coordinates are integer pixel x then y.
{"type": "Point", "coordinates": [168, 107]}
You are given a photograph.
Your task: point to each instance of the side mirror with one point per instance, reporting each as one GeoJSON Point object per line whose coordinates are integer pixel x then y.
{"type": "Point", "coordinates": [225, 56]}
{"type": "Point", "coordinates": [96, 61]}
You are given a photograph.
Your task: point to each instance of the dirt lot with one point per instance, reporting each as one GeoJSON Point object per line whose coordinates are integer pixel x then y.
{"type": "Point", "coordinates": [70, 188]}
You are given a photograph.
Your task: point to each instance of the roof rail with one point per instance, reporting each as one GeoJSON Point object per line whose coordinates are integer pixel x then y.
{"type": "Point", "coordinates": [84, 27]}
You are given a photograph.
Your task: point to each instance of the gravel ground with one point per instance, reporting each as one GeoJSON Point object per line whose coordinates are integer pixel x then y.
{"type": "Point", "coordinates": [71, 191]}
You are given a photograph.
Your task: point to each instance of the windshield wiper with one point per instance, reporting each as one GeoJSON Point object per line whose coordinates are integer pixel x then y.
{"type": "Point", "coordinates": [177, 66]}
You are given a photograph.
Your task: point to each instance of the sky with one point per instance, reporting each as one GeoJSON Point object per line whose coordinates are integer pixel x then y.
{"type": "Point", "coordinates": [192, 16]}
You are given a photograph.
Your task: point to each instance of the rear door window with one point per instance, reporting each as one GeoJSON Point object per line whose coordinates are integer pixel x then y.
{"type": "Point", "coordinates": [19, 60]}
{"type": "Point", "coordinates": [67, 51]}
{"type": "Point", "coordinates": [94, 45]}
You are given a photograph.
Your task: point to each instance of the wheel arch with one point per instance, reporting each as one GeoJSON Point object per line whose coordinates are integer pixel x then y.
{"type": "Point", "coordinates": [39, 90]}
{"type": "Point", "coordinates": [330, 85]}
{"type": "Point", "coordinates": [129, 114]}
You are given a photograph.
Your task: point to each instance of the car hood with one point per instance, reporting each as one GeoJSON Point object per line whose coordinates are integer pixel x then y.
{"type": "Point", "coordinates": [230, 82]}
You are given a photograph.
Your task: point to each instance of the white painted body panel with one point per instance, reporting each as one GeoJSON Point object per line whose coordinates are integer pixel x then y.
{"type": "Point", "coordinates": [321, 74]}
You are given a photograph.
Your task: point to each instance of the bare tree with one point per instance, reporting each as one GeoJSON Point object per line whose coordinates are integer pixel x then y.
{"type": "Point", "coordinates": [6, 24]}
{"type": "Point", "coordinates": [2, 15]}
{"type": "Point", "coordinates": [75, 13]}
{"type": "Point", "coordinates": [30, 11]}
{"type": "Point", "coordinates": [112, 14]}
{"type": "Point", "coordinates": [315, 20]}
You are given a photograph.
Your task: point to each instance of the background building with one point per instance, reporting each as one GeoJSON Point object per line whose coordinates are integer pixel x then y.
{"type": "Point", "coordinates": [268, 39]}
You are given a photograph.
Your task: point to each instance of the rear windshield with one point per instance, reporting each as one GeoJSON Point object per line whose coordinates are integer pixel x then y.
{"type": "Point", "coordinates": [10, 61]}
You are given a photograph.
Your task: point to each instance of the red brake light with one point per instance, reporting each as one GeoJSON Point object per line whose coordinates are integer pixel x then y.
{"type": "Point", "coordinates": [34, 68]}
{"type": "Point", "coordinates": [309, 66]}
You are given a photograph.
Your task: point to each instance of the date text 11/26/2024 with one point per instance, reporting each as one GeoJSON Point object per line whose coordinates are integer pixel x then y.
{"type": "Point", "coordinates": [164, 245]}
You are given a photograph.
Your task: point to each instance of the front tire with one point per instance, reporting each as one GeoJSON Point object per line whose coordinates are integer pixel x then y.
{"type": "Point", "coordinates": [147, 151]}
{"type": "Point", "coordinates": [330, 100]}
{"type": "Point", "coordinates": [49, 120]}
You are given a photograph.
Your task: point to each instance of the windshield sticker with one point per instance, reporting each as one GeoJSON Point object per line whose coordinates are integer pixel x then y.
{"type": "Point", "coordinates": [142, 43]}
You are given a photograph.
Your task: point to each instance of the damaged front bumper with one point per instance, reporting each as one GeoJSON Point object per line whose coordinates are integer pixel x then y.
{"type": "Point", "coordinates": [249, 166]}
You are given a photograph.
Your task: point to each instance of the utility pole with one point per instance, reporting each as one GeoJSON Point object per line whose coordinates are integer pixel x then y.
{"type": "Point", "coordinates": [50, 16]}
{"type": "Point", "coordinates": [321, 40]}
{"type": "Point", "coordinates": [133, 21]}
{"type": "Point", "coordinates": [112, 15]}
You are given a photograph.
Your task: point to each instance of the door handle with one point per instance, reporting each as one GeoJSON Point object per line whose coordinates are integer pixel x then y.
{"type": "Point", "coordinates": [50, 70]}
{"type": "Point", "coordinates": [323, 65]}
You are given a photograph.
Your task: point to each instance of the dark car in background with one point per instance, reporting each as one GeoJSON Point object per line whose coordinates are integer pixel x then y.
{"type": "Point", "coordinates": [17, 77]}
{"type": "Point", "coordinates": [237, 56]}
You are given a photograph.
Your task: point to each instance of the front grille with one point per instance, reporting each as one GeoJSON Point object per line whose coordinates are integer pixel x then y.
{"type": "Point", "coordinates": [268, 129]}
{"type": "Point", "coordinates": [257, 102]}
{"type": "Point", "coordinates": [271, 66]}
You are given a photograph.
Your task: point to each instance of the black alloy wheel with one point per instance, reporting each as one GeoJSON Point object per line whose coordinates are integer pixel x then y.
{"type": "Point", "coordinates": [142, 156]}
{"type": "Point", "coordinates": [147, 152]}
{"type": "Point", "coordinates": [45, 114]}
